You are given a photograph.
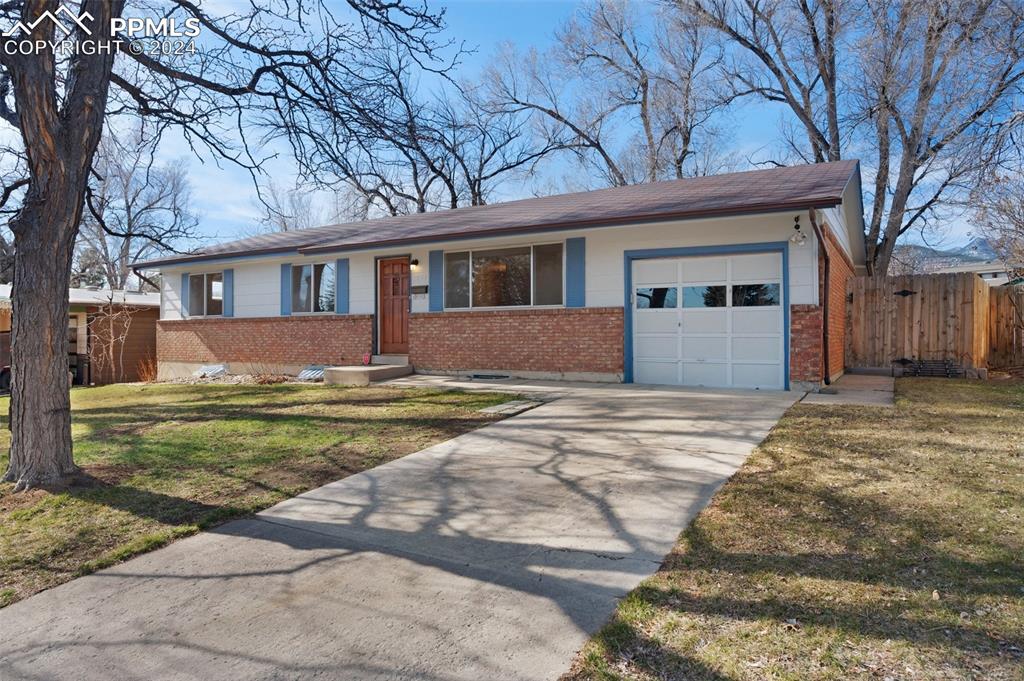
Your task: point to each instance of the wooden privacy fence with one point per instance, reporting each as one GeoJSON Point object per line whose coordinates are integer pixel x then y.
{"type": "Point", "coordinates": [1006, 327]}
{"type": "Point", "coordinates": [918, 317]}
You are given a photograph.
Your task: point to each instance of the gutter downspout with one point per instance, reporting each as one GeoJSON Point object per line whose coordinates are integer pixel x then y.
{"type": "Point", "coordinates": [825, 298]}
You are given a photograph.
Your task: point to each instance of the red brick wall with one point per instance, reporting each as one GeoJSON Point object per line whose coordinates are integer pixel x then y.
{"type": "Point", "coordinates": [266, 340]}
{"type": "Point", "coordinates": [576, 340]}
{"type": "Point", "coordinates": [841, 269]}
{"type": "Point", "coordinates": [805, 343]}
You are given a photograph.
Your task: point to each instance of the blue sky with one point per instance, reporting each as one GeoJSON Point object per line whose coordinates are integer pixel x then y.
{"type": "Point", "coordinates": [225, 196]}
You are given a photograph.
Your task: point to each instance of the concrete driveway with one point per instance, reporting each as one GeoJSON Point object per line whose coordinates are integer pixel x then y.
{"type": "Point", "coordinates": [490, 556]}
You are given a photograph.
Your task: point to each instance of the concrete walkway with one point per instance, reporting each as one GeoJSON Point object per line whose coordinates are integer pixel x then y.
{"type": "Point", "coordinates": [490, 556]}
{"type": "Point", "coordinates": [857, 390]}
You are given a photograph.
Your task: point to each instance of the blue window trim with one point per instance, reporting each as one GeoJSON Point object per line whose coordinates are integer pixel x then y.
{"type": "Point", "coordinates": [732, 249]}
{"type": "Point", "coordinates": [228, 293]}
{"type": "Point", "coordinates": [576, 272]}
{"type": "Point", "coordinates": [286, 289]}
{"type": "Point", "coordinates": [341, 286]}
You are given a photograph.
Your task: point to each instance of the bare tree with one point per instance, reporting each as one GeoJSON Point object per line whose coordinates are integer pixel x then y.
{"type": "Point", "coordinates": [109, 328]}
{"type": "Point", "coordinates": [288, 209]}
{"type": "Point", "coordinates": [428, 151]}
{"type": "Point", "coordinates": [925, 88]}
{"type": "Point", "coordinates": [137, 209]}
{"type": "Point", "coordinates": [999, 217]}
{"type": "Point", "coordinates": [257, 74]}
{"type": "Point", "coordinates": [633, 105]}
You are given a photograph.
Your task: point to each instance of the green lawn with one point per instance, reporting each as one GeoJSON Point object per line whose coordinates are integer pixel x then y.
{"type": "Point", "coordinates": [167, 460]}
{"type": "Point", "coordinates": [854, 543]}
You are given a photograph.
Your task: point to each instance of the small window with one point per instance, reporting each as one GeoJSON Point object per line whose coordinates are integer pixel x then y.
{"type": "Point", "coordinates": [313, 288]}
{"type": "Point", "coordinates": [755, 295]}
{"type": "Point", "coordinates": [206, 294]}
{"type": "Point", "coordinates": [703, 296]}
{"type": "Point", "coordinates": [654, 298]}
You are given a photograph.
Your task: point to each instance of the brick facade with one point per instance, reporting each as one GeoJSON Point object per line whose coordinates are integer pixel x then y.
{"type": "Point", "coordinates": [805, 343]}
{"type": "Point", "coordinates": [841, 271]}
{"type": "Point", "coordinates": [560, 341]}
{"type": "Point", "coordinates": [328, 339]}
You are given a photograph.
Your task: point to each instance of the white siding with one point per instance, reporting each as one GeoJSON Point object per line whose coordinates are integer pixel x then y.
{"type": "Point", "coordinates": [257, 282]}
{"type": "Point", "coordinates": [170, 295]}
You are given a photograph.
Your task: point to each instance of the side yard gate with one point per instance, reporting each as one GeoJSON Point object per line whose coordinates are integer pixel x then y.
{"type": "Point", "coordinates": [893, 321]}
{"type": "Point", "coordinates": [1006, 327]}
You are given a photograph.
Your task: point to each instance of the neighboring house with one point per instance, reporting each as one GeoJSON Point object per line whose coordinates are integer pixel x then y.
{"type": "Point", "coordinates": [993, 272]}
{"type": "Point", "coordinates": [96, 355]}
{"type": "Point", "coordinates": [699, 281]}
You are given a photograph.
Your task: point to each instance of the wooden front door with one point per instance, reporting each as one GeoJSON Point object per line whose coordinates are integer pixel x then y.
{"type": "Point", "coordinates": [394, 306]}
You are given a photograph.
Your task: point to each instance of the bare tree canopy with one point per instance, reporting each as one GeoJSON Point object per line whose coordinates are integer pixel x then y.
{"type": "Point", "coordinates": [258, 74]}
{"type": "Point", "coordinates": [923, 91]}
{"type": "Point", "coordinates": [999, 207]}
{"type": "Point", "coordinates": [634, 102]}
{"type": "Point", "coordinates": [136, 208]}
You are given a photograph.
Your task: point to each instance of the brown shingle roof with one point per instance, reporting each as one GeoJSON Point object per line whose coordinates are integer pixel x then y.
{"type": "Point", "coordinates": [755, 191]}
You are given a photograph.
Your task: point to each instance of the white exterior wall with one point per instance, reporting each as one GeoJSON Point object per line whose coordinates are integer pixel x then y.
{"type": "Point", "coordinates": [257, 281]}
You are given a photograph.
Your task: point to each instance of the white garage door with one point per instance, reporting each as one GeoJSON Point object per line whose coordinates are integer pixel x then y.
{"type": "Point", "coordinates": [709, 321]}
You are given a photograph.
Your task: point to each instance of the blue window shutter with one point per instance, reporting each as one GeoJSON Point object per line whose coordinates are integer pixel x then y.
{"type": "Point", "coordinates": [229, 293]}
{"type": "Point", "coordinates": [286, 289]}
{"type": "Point", "coordinates": [341, 286]}
{"type": "Point", "coordinates": [436, 288]}
{"type": "Point", "coordinates": [184, 294]}
{"type": "Point", "coordinates": [576, 272]}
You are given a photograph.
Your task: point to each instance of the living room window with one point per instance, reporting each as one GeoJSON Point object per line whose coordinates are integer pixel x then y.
{"type": "Point", "coordinates": [313, 288]}
{"type": "Point", "coordinates": [206, 294]}
{"type": "Point", "coordinates": [518, 276]}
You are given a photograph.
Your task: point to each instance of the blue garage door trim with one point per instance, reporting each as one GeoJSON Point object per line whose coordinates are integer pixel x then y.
{"type": "Point", "coordinates": [732, 249]}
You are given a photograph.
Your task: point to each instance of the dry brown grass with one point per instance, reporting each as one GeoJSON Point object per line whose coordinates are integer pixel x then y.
{"type": "Point", "coordinates": [854, 543]}
{"type": "Point", "coordinates": [147, 369]}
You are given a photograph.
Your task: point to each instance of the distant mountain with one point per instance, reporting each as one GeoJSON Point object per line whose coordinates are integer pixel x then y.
{"type": "Point", "coordinates": [977, 249]}
{"type": "Point", "coordinates": [917, 258]}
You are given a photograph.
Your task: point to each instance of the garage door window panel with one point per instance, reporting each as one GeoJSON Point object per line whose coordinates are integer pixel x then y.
{"type": "Point", "coordinates": [704, 296]}
{"type": "Point", "coordinates": [655, 298]}
{"type": "Point", "coordinates": [755, 295]}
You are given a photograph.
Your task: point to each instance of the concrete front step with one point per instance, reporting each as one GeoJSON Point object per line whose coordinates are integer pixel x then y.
{"type": "Point", "coordinates": [396, 360]}
{"type": "Point", "coordinates": [364, 375]}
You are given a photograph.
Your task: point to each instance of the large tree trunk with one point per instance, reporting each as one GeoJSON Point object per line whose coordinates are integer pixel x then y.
{"type": "Point", "coordinates": [41, 453]}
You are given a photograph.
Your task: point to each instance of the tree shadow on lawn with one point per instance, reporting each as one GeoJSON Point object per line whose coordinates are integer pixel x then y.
{"type": "Point", "coordinates": [898, 554]}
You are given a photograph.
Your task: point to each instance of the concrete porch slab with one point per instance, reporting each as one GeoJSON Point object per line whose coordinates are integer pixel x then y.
{"type": "Point", "coordinates": [364, 375]}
